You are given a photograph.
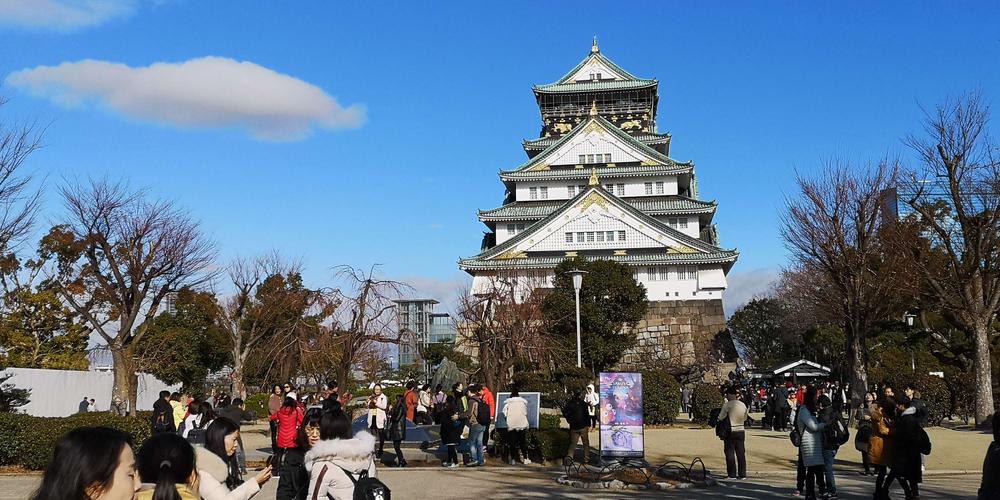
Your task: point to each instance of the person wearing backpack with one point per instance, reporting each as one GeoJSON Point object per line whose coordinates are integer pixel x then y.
{"type": "Point", "coordinates": [734, 412]}
{"type": "Point", "coordinates": [909, 441]}
{"type": "Point", "coordinates": [342, 467]}
{"type": "Point", "coordinates": [196, 429]}
{"type": "Point", "coordinates": [396, 429]}
{"type": "Point", "coordinates": [834, 436]}
{"type": "Point", "coordinates": [478, 416]}
{"type": "Point", "coordinates": [163, 414]}
{"type": "Point", "coordinates": [810, 431]}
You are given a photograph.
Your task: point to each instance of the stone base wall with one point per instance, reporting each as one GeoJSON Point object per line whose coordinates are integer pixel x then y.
{"type": "Point", "coordinates": [676, 335]}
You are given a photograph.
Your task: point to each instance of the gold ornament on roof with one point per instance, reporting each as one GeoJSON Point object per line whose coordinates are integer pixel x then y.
{"type": "Point", "coordinates": [512, 254]}
{"type": "Point", "coordinates": [593, 108]}
{"type": "Point", "coordinates": [593, 177]}
{"type": "Point", "coordinates": [593, 46]}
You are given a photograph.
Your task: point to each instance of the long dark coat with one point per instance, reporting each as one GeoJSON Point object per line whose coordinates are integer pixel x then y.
{"type": "Point", "coordinates": [906, 442]}
{"type": "Point", "coordinates": [395, 429]}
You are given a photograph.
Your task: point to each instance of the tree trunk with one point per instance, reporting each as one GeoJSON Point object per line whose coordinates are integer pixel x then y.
{"type": "Point", "coordinates": [239, 386]}
{"type": "Point", "coordinates": [858, 365]}
{"type": "Point", "coordinates": [124, 389]}
{"type": "Point", "coordinates": [984, 371]}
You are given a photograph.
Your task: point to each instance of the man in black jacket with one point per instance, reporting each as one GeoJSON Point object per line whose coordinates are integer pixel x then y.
{"type": "Point", "coordinates": [236, 411]}
{"type": "Point", "coordinates": [989, 487]}
{"type": "Point", "coordinates": [578, 417]}
{"type": "Point", "coordinates": [163, 414]}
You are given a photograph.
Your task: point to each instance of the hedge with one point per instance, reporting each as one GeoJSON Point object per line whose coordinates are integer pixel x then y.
{"type": "Point", "coordinates": [28, 441]}
{"type": "Point", "coordinates": [257, 403]}
{"type": "Point", "coordinates": [549, 444]}
{"type": "Point", "coordinates": [661, 397]}
{"type": "Point", "coordinates": [704, 399]}
{"type": "Point", "coordinates": [547, 421]}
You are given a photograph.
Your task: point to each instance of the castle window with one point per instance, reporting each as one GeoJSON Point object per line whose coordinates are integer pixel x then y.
{"type": "Point", "coordinates": [590, 236]}
{"type": "Point", "coordinates": [687, 273]}
{"type": "Point", "coordinates": [583, 158]}
{"type": "Point", "coordinates": [510, 230]}
{"type": "Point", "coordinates": [609, 188]}
{"type": "Point", "coordinates": [621, 190]}
{"type": "Point", "coordinates": [579, 237]}
{"type": "Point", "coordinates": [569, 237]}
{"type": "Point", "coordinates": [607, 157]}
{"type": "Point", "coordinates": [649, 187]}
{"type": "Point", "coordinates": [600, 236]}
{"type": "Point", "coordinates": [621, 235]}
{"type": "Point", "coordinates": [611, 235]}
{"type": "Point", "coordinates": [571, 190]}
{"type": "Point", "coordinates": [590, 158]}
{"type": "Point", "coordinates": [659, 187]}
{"type": "Point", "coordinates": [533, 193]}
{"type": "Point", "coordinates": [544, 192]}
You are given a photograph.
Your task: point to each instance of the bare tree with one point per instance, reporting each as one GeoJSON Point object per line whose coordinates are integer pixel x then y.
{"type": "Point", "coordinates": [502, 329]}
{"type": "Point", "coordinates": [957, 198]}
{"type": "Point", "coordinates": [365, 316]}
{"type": "Point", "coordinates": [18, 204]}
{"type": "Point", "coordinates": [266, 312]}
{"type": "Point", "coordinates": [119, 255]}
{"type": "Point", "coordinates": [834, 228]}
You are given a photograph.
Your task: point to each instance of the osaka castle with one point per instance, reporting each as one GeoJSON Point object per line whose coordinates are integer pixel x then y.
{"type": "Point", "coordinates": [599, 183]}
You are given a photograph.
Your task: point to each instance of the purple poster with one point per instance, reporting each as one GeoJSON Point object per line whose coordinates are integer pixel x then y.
{"type": "Point", "coordinates": [621, 414]}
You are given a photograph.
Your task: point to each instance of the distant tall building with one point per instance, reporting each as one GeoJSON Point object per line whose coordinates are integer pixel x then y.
{"type": "Point", "coordinates": [420, 326]}
{"type": "Point", "coordinates": [599, 184]}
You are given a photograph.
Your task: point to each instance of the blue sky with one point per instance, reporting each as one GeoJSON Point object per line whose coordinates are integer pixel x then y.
{"type": "Point", "coordinates": [404, 112]}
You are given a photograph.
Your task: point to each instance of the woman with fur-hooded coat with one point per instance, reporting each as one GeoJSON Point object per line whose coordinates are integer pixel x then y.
{"type": "Point", "coordinates": [336, 453]}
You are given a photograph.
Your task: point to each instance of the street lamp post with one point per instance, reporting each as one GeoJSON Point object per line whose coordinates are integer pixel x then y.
{"type": "Point", "coordinates": [909, 318]}
{"type": "Point", "coordinates": [577, 275]}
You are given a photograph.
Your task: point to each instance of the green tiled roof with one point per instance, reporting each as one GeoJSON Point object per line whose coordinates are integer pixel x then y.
{"type": "Point", "coordinates": [545, 142]}
{"type": "Point", "coordinates": [612, 129]}
{"type": "Point", "coordinates": [549, 261]}
{"type": "Point", "coordinates": [564, 84]}
{"type": "Point", "coordinates": [653, 205]}
{"type": "Point", "coordinates": [591, 86]}
{"type": "Point", "coordinates": [602, 172]}
{"type": "Point", "coordinates": [692, 242]}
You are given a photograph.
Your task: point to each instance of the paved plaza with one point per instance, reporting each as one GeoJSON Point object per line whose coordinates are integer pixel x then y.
{"type": "Point", "coordinates": [537, 482]}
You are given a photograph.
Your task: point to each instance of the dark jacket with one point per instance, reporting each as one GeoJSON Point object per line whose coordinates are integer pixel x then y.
{"type": "Point", "coordinates": [922, 414]}
{"type": "Point", "coordinates": [989, 488]}
{"type": "Point", "coordinates": [907, 438]}
{"type": "Point", "coordinates": [576, 414]}
{"type": "Point", "coordinates": [469, 415]}
{"type": "Point", "coordinates": [163, 416]}
{"type": "Point", "coordinates": [828, 416]}
{"type": "Point", "coordinates": [293, 483]}
{"type": "Point", "coordinates": [236, 414]}
{"type": "Point", "coordinates": [395, 429]}
{"type": "Point", "coordinates": [451, 430]}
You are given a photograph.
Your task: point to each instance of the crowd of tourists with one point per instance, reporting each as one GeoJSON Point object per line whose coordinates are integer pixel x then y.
{"type": "Point", "coordinates": [196, 450]}
{"type": "Point", "coordinates": [888, 432]}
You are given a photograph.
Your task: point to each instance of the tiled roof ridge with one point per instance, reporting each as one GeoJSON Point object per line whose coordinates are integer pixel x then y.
{"type": "Point", "coordinates": [674, 233]}
{"type": "Point", "coordinates": [666, 160]}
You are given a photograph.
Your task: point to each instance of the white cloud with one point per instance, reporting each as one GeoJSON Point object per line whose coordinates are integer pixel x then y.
{"type": "Point", "coordinates": [208, 92]}
{"type": "Point", "coordinates": [746, 285]}
{"type": "Point", "coordinates": [62, 15]}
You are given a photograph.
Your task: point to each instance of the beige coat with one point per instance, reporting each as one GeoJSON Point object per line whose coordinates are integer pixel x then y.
{"type": "Point", "coordinates": [213, 472]}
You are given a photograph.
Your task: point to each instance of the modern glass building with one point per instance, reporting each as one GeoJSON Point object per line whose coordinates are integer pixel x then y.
{"type": "Point", "coordinates": [419, 326]}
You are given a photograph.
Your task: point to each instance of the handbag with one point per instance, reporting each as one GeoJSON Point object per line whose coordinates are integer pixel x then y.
{"type": "Point", "coordinates": [723, 428]}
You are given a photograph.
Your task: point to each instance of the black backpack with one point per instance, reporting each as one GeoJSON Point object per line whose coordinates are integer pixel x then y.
{"type": "Point", "coordinates": [365, 488]}
{"type": "Point", "coordinates": [163, 421]}
{"type": "Point", "coordinates": [482, 413]}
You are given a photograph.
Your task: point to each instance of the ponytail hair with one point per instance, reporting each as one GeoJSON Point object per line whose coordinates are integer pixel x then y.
{"type": "Point", "coordinates": [167, 460]}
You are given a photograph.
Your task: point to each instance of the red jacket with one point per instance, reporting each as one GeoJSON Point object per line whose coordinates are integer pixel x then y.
{"type": "Point", "coordinates": [288, 426]}
{"type": "Point", "coordinates": [410, 398]}
{"type": "Point", "coordinates": [488, 399]}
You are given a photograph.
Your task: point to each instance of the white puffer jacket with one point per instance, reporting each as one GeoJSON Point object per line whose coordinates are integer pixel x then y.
{"type": "Point", "coordinates": [516, 411]}
{"type": "Point", "coordinates": [213, 472]}
{"type": "Point", "coordinates": [327, 461]}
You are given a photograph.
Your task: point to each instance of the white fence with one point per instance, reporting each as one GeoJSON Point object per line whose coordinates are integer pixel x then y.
{"type": "Point", "coordinates": [57, 393]}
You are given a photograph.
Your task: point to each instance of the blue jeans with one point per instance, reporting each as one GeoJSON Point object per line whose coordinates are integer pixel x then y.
{"type": "Point", "coordinates": [476, 443]}
{"type": "Point", "coordinates": [831, 484]}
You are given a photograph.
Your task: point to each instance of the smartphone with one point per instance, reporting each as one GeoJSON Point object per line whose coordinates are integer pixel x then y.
{"type": "Point", "coordinates": [269, 461]}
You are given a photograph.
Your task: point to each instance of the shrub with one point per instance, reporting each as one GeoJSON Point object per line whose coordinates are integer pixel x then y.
{"type": "Point", "coordinates": [935, 394]}
{"type": "Point", "coordinates": [29, 441]}
{"type": "Point", "coordinates": [548, 444]}
{"type": "Point", "coordinates": [661, 397]}
{"type": "Point", "coordinates": [704, 399]}
{"type": "Point", "coordinates": [546, 421]}
{"type": "Point", "coordinates": [257, 403]}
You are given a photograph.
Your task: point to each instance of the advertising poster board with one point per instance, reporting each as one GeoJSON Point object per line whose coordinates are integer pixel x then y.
{"type": "Point", "coordinates": [534, 401]}
{"type": "Point", "coordinates": [621, 415]}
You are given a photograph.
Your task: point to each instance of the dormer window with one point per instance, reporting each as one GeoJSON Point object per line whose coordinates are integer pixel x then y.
{"type": "Point", "coordinates": [595, 158]}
